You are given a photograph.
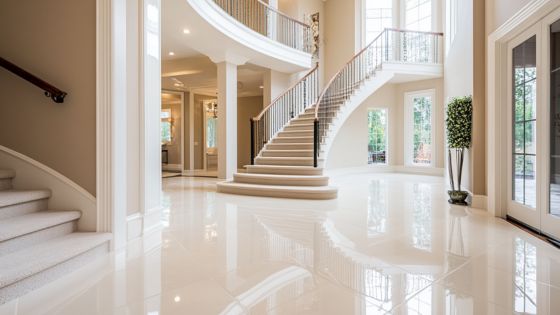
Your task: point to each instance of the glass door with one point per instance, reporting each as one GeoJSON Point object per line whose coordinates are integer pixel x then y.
{"type": "Point", "coordinates": [524, 154]}
{"type": "Point", "coordinates": [551, 210]}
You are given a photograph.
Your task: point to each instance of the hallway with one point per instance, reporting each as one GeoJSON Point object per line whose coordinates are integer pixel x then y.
{"type": "Point", "coordinates": [389, 243]}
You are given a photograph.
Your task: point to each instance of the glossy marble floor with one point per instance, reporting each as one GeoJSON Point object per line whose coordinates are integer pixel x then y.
{"type": "Point", "coordinates": [389, 244]}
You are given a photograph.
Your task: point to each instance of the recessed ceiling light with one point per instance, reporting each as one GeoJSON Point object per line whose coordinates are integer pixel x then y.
{"type": "Point", "coordinates": [177, 299]}
{"type": "Point", "coordinates": [186, 31]}
{"type": "Point", "coordinates": [261, 87]}
{"type": "Point", "coordinates": [171, 53]}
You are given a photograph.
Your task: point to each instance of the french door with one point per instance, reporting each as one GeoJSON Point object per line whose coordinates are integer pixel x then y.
{"type": "Point", "coordinates": [534, 127]}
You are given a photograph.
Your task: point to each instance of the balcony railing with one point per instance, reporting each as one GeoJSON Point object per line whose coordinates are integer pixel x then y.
{"type": "Point", "coordinates": [263, 19]}
{"type": "Point", "coordinates": [390, 46]}
{"type": "Point", "coordinates": [287, 106]}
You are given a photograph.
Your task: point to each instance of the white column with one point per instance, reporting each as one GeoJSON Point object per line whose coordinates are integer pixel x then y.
{"type": "Point", "coordinates": [227, 120]}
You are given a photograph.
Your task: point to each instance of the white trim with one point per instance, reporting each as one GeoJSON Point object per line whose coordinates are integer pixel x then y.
{"type": "Point", "coordinates": [281, 57]}
{"type": "Point", "coordinates": [496, 95]}
{"type": "Point", "coordinates": [138, 224]}
{"type": "Point", "coordinates": [50, 171]}
{"type": "Point", "coordinates": [479, 202]}
{"type": "Point", "coordinates": [408, 124]}
{"type": "Point", "coordinates": [134, 223]}
{"type": "Point", "coordinates": [104, 172]}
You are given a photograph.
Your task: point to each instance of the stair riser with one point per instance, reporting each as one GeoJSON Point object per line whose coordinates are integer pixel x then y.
{"type": "Point", "coordinates": [5, 184]}
{"type": "Point", "coordinates": [23, 208]}
{"type": "Point", "coordinates": [295, 140]}
{"type": "Point", "coordinates": [299, 128]}
{"type": "Point", "coordinates": [282, 182]}
{"type": "Point", "coordinates": [295, 134]}
{"type": "Point", "coordinates": [311, 172]}
{"type": "Point", "coordinates": [280, 161]}
{"type": "Point", "coordinates": [30, 239]}
{"type": "Point", "coordinates": [310, 115]}
{"type": "Point", "coordinates": [298, 121]}
{"type": "Point", "coordinates": [278, 194]}
{"type": "Point", "coordinates": [278, 147]}
{"type": "Point", "coordinates": [37, 280]}
{"type": "Point", "coordinates": [267, 153]}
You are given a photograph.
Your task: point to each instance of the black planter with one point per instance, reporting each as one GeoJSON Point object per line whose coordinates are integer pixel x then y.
{"type": "Point", "coordinates": [457, 197]}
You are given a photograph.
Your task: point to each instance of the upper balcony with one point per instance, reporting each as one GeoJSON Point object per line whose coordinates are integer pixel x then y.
{"type": "Point", "coordinates": [241, 31]}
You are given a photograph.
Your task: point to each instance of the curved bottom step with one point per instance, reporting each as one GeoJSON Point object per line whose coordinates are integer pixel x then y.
{"type": "Point", "coordinates": [284, 170]}
{"type": "Point", "coordinates": [280, 180]}
{"type": "Point", "coordinates": [293, 192]}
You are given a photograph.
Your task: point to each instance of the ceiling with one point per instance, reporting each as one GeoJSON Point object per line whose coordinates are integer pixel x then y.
{"type": "Point", "coordinates": [199, 73]}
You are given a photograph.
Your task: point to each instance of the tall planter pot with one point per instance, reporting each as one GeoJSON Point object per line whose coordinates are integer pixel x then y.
{"type": "Point", "coordinates": [459, 130]}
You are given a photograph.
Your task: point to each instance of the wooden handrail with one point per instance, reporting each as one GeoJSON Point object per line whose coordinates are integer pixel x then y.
{"type": "Point", "coordinates": [50, 91]}
{"type": "Point", "coordinates": [340, 70]}
{"type": "Point", "coordinates": [259, 116]}
{"type": "Point", "coordinates": [283, 14]}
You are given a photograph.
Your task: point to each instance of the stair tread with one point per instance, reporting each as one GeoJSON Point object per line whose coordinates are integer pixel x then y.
{"type": "Point", "coordinates": [14, 197]}
{"type": "Point", "coordinates": [29, 223]}
{"type": "Point", "coordinates": [286, 158]}
{"type": "Point", "coordinates": [296, 150]}
{"type": "Point", "coordinates": [279, 176]}
{"type": "Point", "coordinates": [7, 174]}
{"type": "Point", "coordinates": [316, 189]}
{"type": "Point", "coordinates": [286, 167]}
{"type": "Point", "coordinates": [32, 260]}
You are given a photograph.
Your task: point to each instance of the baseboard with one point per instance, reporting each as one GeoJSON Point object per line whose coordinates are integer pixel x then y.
{"type": "Point", "coordinates": [139, 224]}
{"type": "Point", "coordinates": [479, 202]}
{"type": "Point", "coordinates": [172, 167]}
{"type": "Point", "coordinates": [418, 170]}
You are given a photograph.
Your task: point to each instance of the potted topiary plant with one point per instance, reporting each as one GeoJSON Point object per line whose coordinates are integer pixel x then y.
{"type": "Point", "coordinates": [459, 127]}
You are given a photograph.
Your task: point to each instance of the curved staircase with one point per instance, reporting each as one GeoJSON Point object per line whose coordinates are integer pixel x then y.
{"type": "Point", "coordinates": [283, 137]}
{"type": "Point", "coordinates": [39, 245]}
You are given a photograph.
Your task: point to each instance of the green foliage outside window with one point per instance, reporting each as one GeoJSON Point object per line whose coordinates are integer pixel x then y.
{"type": "Point", "coordinates": [422, 129]}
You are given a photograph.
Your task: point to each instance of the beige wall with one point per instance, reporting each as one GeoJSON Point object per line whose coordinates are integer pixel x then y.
{"type": "Point", "coordinates": [340, 28]}
{"type": "Point", "coordinates": [54, 40]}
{"type": "Point", "coordinates": [349, 148]}
{"type": "Point", "coordinates": [247, 107]}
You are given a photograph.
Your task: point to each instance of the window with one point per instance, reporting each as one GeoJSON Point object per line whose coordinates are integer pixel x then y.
{"type": "Point", "coordinates": [211, 131]}
{"type": "Point", "coordinates": [165, 126]}
{"type": "Point", "coordinates": [377, 141]}
{"type": "Point", "coordinates": [378, 16]}
{"type": "Point", "coordinates": [419, 136]}
{"type": "Point", "coordinates": [450, 22]}
{"type": "Point", "coordinates": [418, 15]}
{"type": "Point", "coordinates": [524, 122]}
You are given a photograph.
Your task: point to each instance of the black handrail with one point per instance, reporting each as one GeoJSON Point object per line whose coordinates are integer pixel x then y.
{"type": "Point", "coordinates": [51, 91]}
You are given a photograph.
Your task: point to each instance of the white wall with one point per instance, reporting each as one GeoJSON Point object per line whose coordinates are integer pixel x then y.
{"type": "Point", "coordinates": [458, 69]}
{"type": "Point", "coordinates": [349, 148]}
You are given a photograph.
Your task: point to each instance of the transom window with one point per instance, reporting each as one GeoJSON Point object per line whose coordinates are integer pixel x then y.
{"type": "Point", "coordinates": [377, 140]}
{"type": "Point", "coordinates": [378, 16]}
{"type": "Point", "coordinates": [418, 15]}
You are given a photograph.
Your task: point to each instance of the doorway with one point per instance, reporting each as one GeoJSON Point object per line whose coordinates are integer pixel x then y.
{"type": "Point", "coordinates": [533, 180]}
{"type": "Point", "coordinates": [172, 133]}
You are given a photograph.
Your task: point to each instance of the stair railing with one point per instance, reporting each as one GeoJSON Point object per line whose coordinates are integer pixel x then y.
{"type": "Point", "coordinates": [268, 21]}
{"type": "Point", "coordinates": [391, 45]}
{"type": "Point", "coordinates": [277, 114]}
{"type": "Point", "coordinates": [51, 91]}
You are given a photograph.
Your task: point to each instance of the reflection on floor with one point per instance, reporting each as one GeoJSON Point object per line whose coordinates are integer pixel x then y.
{"type": "Point", "coordinates": [165, 174]}
{"type": "Point", "coordinates": [389, 244]}
{"type": "Point", "coordinates": [201, 173]}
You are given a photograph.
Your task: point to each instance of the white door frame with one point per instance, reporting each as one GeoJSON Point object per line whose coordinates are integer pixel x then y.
{"type": "Point", "coordinates": [182, 133]}
{"type": "Point", "coordinates": [497, 101]}
{"type": "Point", "coordinates": [523, 213]}
{"type": "Point", "coordinates": [408, 132]}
